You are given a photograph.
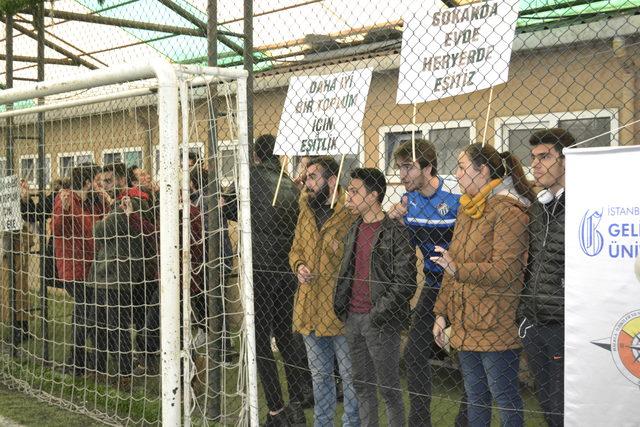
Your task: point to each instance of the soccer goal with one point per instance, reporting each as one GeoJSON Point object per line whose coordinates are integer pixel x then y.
{"type": "Point", "coordinates": [126, 293]}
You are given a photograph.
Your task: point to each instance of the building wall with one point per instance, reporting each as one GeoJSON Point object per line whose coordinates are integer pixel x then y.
{"type": "Point", "coordinates": [577, 78]}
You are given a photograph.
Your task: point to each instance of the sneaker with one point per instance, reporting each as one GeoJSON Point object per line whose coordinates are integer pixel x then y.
{"type": "Point", "coordinates": [281, 419]}
{"type": "Point", "coordinates": [296, 414]}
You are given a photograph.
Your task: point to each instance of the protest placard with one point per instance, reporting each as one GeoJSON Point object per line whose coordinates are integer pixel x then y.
{"type": "Point", "coordinates": [323, 114]}
{"type": "Point", "coordinates": [10, 217]}
{"type": "Point", "coordinates": [448, 52]}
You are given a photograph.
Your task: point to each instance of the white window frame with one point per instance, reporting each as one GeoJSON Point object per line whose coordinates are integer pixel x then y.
{"type": "Point", "coordinates": [121, 151]}
{"type": "Point", "coordinates": [550, 120]}
{"type": "Point", "coordinates": [34, 184]}
{"type": "Point", "coordinates": [418, 127]}
{"type": "Point", "coordinates": [75, 155]}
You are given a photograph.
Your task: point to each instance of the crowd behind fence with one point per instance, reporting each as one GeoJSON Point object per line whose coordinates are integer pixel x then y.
{"type": "Point", "coordinates": [417, 280]}
{"type": "Point", "coordinates": [336, 283]}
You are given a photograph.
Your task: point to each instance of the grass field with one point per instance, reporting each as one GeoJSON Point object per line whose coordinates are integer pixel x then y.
{"type": "Point", "coordinates": [29, 411]}
{"type": "Point", "coordinates": [28, 370]}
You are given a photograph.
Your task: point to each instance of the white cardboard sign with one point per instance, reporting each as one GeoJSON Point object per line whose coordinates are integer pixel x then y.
{"type": "Point", "coordinates": [323, 114]}
{"type": "Point", "coordinates": [448, 52]}
{"type": "Point", "coordinates": [10, 217]}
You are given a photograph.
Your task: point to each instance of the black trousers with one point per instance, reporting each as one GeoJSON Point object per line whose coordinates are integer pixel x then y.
{"type": "Point", "coordinates": [146, 317]}
{"type": "Point", "coordinates": [417, 359]}
{"type": "Point", "coordinates": [82, 321]}
{"type": "Point", "coordinates": [273, 303]}
{"type": "Point", "coordinates": [114, 313]}
{"type": "Point", "coordinates": [544, 346]}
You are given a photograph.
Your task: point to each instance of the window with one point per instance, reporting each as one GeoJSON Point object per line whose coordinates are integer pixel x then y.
{"type": "Point", "coordinates": [391, 141]}
{"type": "Point", "coordinates": [583, 129]}
{"type": "Point", "coordinates": [194, 147]}
{"type": "Point", "coordinates": [226, 165]}
{"type": "Point", "coordinates": [3, 167]}
{"type": "Point", "coordinates": [128, 156]}
{"type": "Point", "coordinates": [67, 161]}
{"type": "Point", "coordinates": [512, 133]}
{"type": "Point", "coordinates": [29, 170]}
{"type": "Point", "coordinates": [448, 138]}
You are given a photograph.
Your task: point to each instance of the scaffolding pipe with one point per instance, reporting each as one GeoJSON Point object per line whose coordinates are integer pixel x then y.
{"type": "Point", "coordinates": [55, 47]}
{"type": "Point", "coordinates": [127, 23]}
{"type": "Point", "coordinates": [53, 61]}
{"type": "Point", "coordinates": [200, 24]}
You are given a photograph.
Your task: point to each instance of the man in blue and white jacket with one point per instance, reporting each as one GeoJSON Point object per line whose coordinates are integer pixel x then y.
{"type": "Point", "coordinates": [429, 210]}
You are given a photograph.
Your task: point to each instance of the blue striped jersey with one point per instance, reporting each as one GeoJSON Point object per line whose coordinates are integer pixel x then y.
{"type": "Point", "coordinates": [431, 221]}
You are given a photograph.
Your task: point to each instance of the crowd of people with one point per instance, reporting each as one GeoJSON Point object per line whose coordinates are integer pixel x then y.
{"type": "Point", "coordinates": [102, 249]}
{"type": "Point", "coordinates": [334, 275]}
{"type": "Point", "coordinates": [493, 282]}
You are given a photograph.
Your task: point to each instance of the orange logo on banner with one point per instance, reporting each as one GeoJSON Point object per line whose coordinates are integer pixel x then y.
{"type": "Point", "coordinates": [627, 352]}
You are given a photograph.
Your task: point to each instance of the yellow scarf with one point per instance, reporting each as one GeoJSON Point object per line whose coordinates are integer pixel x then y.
{"type": "Point", "coordinates": [474, 207]}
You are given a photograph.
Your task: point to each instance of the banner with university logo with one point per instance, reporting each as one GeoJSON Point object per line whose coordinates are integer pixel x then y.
{"type": "Point", "coordinates": [452, 51]}
{"type": "Point", "coordinates": [323, 114]}
{"type": "Point", "coordinates": [602, 290]}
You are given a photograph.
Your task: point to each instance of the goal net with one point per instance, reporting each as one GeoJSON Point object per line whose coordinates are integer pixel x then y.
{"type": "Point", "coordinates": [123, 295]}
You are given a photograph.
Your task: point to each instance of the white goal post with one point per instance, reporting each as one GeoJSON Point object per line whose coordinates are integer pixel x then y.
{"type": "Point", "coordinates": [168, 83]}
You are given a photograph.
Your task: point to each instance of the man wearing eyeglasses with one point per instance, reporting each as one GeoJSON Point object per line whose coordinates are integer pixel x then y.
{"type": "Point", "coordinates": [542, 301]}
{"type": "Point", "coordinates": [429, 210]}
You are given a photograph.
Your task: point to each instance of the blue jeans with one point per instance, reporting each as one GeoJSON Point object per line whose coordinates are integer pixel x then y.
{"type": "Point", "coordinates": [490, 375]}
{"type": "Point", "coordinates": [320, 353]}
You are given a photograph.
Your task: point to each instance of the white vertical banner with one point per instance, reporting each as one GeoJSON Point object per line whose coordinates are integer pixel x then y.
{"type": "Point", "coordinates": [323, 115]}
{"type": "Point", "coordinates": [452, 51]}
{"type": "Point", "coordinates": [602, 291]}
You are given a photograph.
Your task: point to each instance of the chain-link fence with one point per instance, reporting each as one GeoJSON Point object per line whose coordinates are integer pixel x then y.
{"type": "Point", "coordinates": [407, 234]}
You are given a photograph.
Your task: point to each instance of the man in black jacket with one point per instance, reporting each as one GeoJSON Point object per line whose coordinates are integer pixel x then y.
{"type": "Point", "coordinates": [542, 303]}
{"type": "Point", "coordinates": [376, 282]}
{"type": "Point", "coordinates": [274, 286]}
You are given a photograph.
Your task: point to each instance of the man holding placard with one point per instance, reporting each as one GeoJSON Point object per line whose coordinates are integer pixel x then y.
{"type": "Point", "coordinates": [316, 256]}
